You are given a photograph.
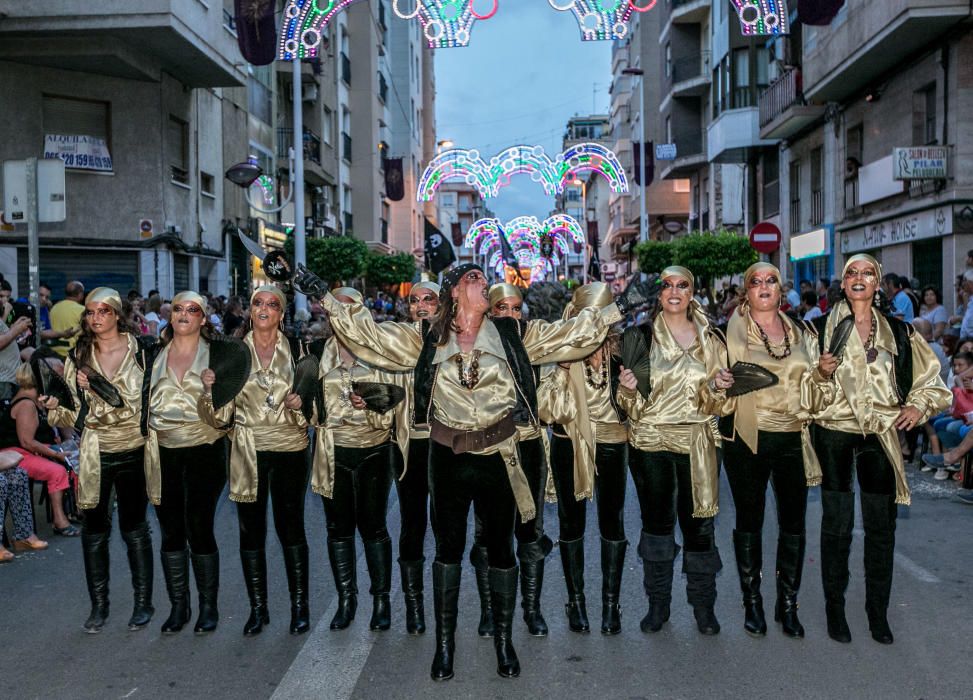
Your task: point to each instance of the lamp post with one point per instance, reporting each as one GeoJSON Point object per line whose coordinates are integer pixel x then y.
{"type": "Point", "coordinates": [643, 214]}
{"type": "Point", "coordinates": [297, 168]}
{"type": "Point", "coordinates": [578, 182]}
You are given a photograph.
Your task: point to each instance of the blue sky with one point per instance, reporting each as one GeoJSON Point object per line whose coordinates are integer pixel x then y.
{"type": "Point", "coordinates": [525, 72]}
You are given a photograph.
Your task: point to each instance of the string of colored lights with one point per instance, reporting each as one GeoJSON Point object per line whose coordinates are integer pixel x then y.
{"type": "Point", "coordinates": [526, 236]}
{"type": "Point", "coordinates": [467, 166]}
{"type": "Point", "coordinates": [266, 185]}
{"type": "Point", "coordinates": [762, 17]}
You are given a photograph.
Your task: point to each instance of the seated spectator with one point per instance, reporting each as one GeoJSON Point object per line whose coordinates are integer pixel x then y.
{"type": "Point", "coordinates": [950, 458]}
{"type": "Point", "coordinates": [40, 460]}
{"type": "Point", "coordinates": [934, 311]}
{"type": "Point", "coordinates": [15, 493]}
{"type": "Point", "coordinates": [952, 428]}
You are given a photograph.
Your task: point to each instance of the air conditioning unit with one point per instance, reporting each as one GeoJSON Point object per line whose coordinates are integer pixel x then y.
{"type": "Point", "coordinates": [309, 93]}
{"type": "Point", "coordinates": [319, 232]}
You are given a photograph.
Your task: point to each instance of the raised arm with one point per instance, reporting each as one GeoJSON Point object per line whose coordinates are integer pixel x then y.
{"type": "Point", "coordinates": [572, 339]}
{"type": "Point", "coordinates": [390, 346]}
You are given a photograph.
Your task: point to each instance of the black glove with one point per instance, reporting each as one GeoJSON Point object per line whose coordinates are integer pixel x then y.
{"type": "Point", "coordinates": [306, 282]}
{"type": "Point", "coordinates": [638, 294]}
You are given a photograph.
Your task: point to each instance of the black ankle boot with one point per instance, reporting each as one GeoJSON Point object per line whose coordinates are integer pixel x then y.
{"type": "Point", "coordinates": [415, 617]}
{"type": "Point", "coordinates": [749, 555]}
{"type": "Point", "coordinates": [790, 566]}
{"type": "Point", "coordinates": [255, 577]}
{"type": "Point", "coordinates": [836, 526]}
{"type": "Point", "coordinates": [612, 565]}
{"type": "Point", "coordinates": [139, 543]}
{"type": "Point", "coordinates": [478, 558]}
{"type": "Point", "coordinates": [503, 595]}
{"type": "Point", "coordinates": [344, 562]}
{"type": "Point", "coordinates": [96, 571]}
{"type": "Point", "coordinates": [657, 553]}
{"type": "Point", "coordinates": [532, 583]}
{"type": "Point", "coordinates": [572, 559]}
{"type": "Point", "coordinates": [878, 520]}
{"type": "Point", "coordinates": [206, 568]}
{"type": "Point", "coordinates": [295, 562]}
{"type": "Point", "coordinates": [700, 569]}
{"type": "Point", "coordinates": [445, 592]}
{"type": "Point", "coordinates": [378, 557]}
{"type": "Point", "coordinates": [175, 569]}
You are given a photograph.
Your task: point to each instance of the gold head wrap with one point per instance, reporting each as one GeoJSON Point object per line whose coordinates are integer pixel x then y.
{"type": "Point", "coordinates": [748, 275]}
{"type": "Point", "coordinates": [863, 257]}
{"type": "Point", "coordinates": [678, 271]}
{"type": "Point", "coordinates": [270, 289]}
{"type": "Point", "coordinates": [190, 296]}
{"type": "Point", "coordinates": [105, 295]}
{"type": "Point", "coordinates": [501, 291]}
{"type": "Point", "coordinates": [596, 294]}
{"type": "Point", "coordinates": [349, 292]}
{"type": "Point", "coordinates": [431, 286]}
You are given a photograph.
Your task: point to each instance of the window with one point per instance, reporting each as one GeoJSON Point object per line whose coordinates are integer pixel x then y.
{"type": "Point", "coordinates": [668, 60]}
{"type": "Point", "coordinates": [70, 116]}
{"type": "Point", "coordinates": [795, 192]}
{"type": "Point", "coordinates": [260, 98]}
{"type": "Point", "coordinates": [327, 126]}
{"type": "Point", "coordinates": [177, 150]}
{"type": "Point", "coordinates": [931, 114]}
{"type": "Point", "coordinates": [386, 215]}
{"type": "Point", "coordinates": [771, 187]}
{"type": "Point", "coordinates": [854, 148]}
{"type": "Point", "coordinates": [345, 69]}
{"type": "Point", "coordinates": [740, 97]}
{"type": "Point", "coordinates": [924, 116]}
{"type": "Point", "coordinates": [229, 18]}
{"type": "Point", "coordinates": [817, 186]}
{"type": "Point", "coordinates": [345, 138]}
{"type": "Point", "coordinates": [207, 184]}
{"type": "Point", "coordinates": [383, 89]}
{"type": "Point", "coordinates": [704, 205]}
{"type": "Point", "coordinates": [927, 262]}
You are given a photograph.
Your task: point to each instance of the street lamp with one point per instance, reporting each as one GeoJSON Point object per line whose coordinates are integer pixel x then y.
{"type": "Point", "coordinates": [249, 171]}
{"type": "Point", "coordinates": [643, 223]}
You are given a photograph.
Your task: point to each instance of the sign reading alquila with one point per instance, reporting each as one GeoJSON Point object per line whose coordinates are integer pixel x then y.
{"type": "Point", "coordinates": [79, 152]}
{"type": "Point", "coordinates": [920, 163]}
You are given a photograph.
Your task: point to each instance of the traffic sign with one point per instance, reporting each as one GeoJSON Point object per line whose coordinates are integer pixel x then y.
{"type": "Point", "coordinates": [765, 237]}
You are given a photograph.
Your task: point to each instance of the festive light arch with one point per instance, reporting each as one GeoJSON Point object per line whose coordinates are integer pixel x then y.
{"type": "Point", "coordinates": [467, 166]}
{"type": "Point", "coordinates": [762, 17]}
{"type": "Point", "coordinates": [526, 236]}
{"type": "Point", "coordinates": [602, 20]}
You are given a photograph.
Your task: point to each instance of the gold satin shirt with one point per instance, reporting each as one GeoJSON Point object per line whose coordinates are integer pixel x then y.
{"type": "Point", "coordinates": [862, 395]}
{"type": "Point", "coordinates": [173, 412]}
{"type": "Point", "coordinates": [258, 418]}
{"type": "Point", "coordinates": [106, 429]}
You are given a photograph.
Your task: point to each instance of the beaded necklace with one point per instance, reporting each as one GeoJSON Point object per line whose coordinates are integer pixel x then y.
{"type": "Point", "coordinates": [469, 375]}
{"type": "Point", "coordinates": [766, 341]}
{"type": "Point", "coordinates": [589, 372]}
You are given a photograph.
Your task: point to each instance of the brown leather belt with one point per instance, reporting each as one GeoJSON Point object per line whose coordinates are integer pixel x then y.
{"type": "Point", "coordinates": [461, 441]}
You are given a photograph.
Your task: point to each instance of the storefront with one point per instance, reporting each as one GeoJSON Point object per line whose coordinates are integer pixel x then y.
{"type": "Point", "coordinates": [810, 255]}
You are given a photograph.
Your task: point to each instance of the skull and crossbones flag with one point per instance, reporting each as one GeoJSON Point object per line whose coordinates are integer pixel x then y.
{"type": "Point", "coordinates": [439, 252]}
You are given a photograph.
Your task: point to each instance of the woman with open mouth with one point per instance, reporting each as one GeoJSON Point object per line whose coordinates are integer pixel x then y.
{"type": "Point", "coordinates": [474, 384]}
{"type": "Point", "coordinates": [887, 380]}
{"type": "Point", "coordinates": [268, 458]}
{"type": "Point", "coordinates": [672, 456]}
{"type": "Point", "coordinates": [766, 438]}
{"type": "Point", "coordinates": [187, 458]}
{"type": "Point", "coordinates": [113, 417]}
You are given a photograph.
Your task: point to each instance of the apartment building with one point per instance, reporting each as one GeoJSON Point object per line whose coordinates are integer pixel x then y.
{"type": "Point", "coordinates": [586, 198]}
{"type": "Point", "coordinates": [857, 106]}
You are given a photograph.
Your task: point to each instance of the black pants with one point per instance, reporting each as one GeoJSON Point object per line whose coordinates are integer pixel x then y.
{"type": "Point", "coordinates": [611, 461]}
{"type": "Point", "coordinates": [456, 481]}
{"type": "Point", "coordinates": [362, 480]}
{"type": "Point", "coordinates": [193, 478]}
{"type": "Point", "coordinates": [281, 478]}
{"type": "Point", "coordinates": [413, 499]}
{"type": "Point", "coordinates": [779, 461]}
{"type": "Point", "coordinates": [532, 461]}
{"type": "Point", "coordinates": [125, 471]}
{"type": "Point", "coordinates": [839, 453]}
{"type": "Point", "coordinates": [664, 486]}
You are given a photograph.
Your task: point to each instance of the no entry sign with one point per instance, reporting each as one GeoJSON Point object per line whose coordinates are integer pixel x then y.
{"type": "Point", "coordinates": [765, 237]}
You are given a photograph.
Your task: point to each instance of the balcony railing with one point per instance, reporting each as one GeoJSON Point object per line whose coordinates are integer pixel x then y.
{"type": "Point", "coordinates": [782, 94]}
{"type": "Point", "coordinates": [690, 67]}
{"type": "Point", "coordinates": [312, 144]}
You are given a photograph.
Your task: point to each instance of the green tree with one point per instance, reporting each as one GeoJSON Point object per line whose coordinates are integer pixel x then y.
{"type": "Point", "coordinates": [382, 270]}
{"type": "Point", "coordinates": [654, 256]}
{"type": "Point", "coordinates": [337, 258]}
{"type": "Point", "coordinates": [714, 254]}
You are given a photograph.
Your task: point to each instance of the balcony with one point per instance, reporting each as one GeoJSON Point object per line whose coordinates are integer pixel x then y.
{"type": "Point", "coordinates": [690, 157]}
{"type": "Point", "coordinates": [313, 171]}
{"type": "Point", "coordinates": [691, 75]}
{"type": "Point", "coordinates": [138, 41]}
{"type": "Point", "coordinates": [843, 59]}
{"type": "Point", "coordinates": [733, 135]}
{"type": "Point", "coordinates": [689, 11]}
{"type": "Point", "coordinates": [783, 109]}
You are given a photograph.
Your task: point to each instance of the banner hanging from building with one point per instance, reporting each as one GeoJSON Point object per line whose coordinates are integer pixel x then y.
{"type": "Point", "coordinates": [79, 152]}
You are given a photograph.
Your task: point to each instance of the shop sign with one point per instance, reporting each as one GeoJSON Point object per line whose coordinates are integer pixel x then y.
{"type": "Point", "coordinates": [928, 223]}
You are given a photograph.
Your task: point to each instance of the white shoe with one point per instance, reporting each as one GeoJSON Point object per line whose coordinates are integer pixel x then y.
{"type": "Point", "coordinates": [927, 468]}
{"type": "Point", "coordinates": [941, 475]}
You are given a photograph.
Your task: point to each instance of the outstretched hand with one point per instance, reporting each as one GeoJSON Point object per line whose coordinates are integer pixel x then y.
{"type": "Point", "coordinates": [306, 282]}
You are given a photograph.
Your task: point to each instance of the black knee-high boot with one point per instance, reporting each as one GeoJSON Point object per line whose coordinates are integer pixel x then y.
{"type": "Point", "coordinates": [790, 566]}
{"type": "Point", "coordinates": [749, 555]}
{"type": "Point", "coordinates": [481, 567]}
{"type": "Point", "coordinates": [658, 553]}
{"type": "Point", "coordinates": [175, 569]}
{"type": "Point", "coordinates": [255, 577]}
{"type": "Point", "coordinates": [96, 571]}
{"type": "Point", "coordinates": [612, 565]}
{"type": "Point", "coordinates": [701, 569]}
{"type": "Point", "coordinates": [206, 568]}
{"type": "Point", "coordinates": [415, 616]}
{"type": "Point", "coordinates": [878, 519]}
{"type": "Point", "coordinates": [503, 596]}
{"type": "Point", "coordinates": [378, 557]}
{"type": "Point", "coordinates": [836, 525]}
{"type": "Point", "coordinates": [572, 559]}
{"type": "Point", "coordinates": [445, 592]}
{"type": "Point", "coordinates": [531, 558]}
{"type": "Point", "coordinates": [295, 562]}
{"type": "Point", "coordinates": [139, 543]}
{"type": "Point", "coordinates": [341, 555]}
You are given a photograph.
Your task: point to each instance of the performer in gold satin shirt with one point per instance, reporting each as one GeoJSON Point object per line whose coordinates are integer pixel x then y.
{"type": "Point", "coordinates": [268, 459]}
{"type": "Point", "coordinates": [589, 460]}
{"type": "Point", "coordinates": [112, 451]}
{"type": "Point", "coordinates": [187, 458]}
{"type": "Point", "coordinates": [352, 473]}
{"type": "Point", "coordinates": [766, 438]}
{"type": "Point", "coordinates": [672, 455]}
{"type": "Point", "coordinates": [888, 380]}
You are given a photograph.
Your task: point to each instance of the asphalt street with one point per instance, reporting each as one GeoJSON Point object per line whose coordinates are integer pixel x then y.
{"type": "Point", "coordinates": [46, 654]}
